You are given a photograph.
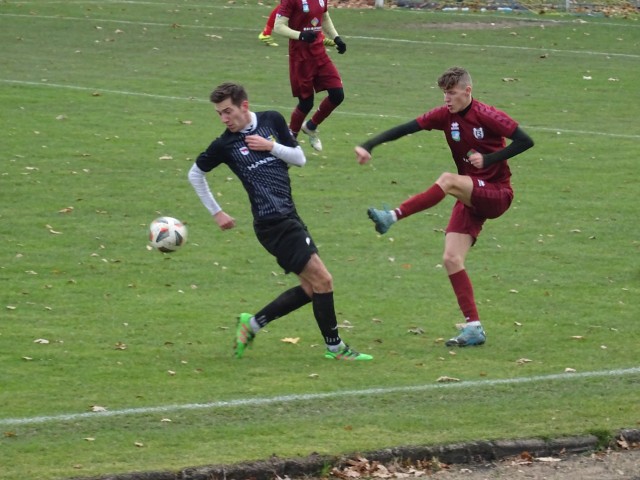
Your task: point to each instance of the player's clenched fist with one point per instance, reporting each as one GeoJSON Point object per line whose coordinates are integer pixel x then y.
{"type": "Point", "coordinates": [362, 155]}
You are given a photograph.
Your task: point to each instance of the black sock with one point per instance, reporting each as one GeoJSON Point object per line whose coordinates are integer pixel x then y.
{"type": "Point", "coordinates": [285, 303]}
{"type": "Point", "coordinates": [325, 313]}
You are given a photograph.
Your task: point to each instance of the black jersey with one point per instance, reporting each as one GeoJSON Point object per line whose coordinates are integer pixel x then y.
{"type": "Point", "coordinates": [264, 176]}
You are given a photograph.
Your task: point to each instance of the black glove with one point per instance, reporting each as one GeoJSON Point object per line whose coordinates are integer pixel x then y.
{"type": "Point", "coordinates": [340, 45]}
{"type": "Point", "coordinates": [308, 36]}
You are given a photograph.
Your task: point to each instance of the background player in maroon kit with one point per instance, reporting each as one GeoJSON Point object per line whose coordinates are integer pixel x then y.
{"type": "Point", "coordinates": [476, 135]}
{"type": "Point", "coordinates": [266, 38]}
{"type": "Point", "coordinates": [305, 23]}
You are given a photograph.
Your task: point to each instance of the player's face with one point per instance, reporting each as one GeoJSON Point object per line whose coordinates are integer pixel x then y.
{"type": "Point", "coordinates": [457, 98]}
{"type": "Point", "coordinates": [234, 117]}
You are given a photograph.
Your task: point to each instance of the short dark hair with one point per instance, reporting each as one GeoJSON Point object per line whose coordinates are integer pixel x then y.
{"type": "Point", "coordinates": [234, 91]}
{"type": "Point", "coordinates": [454, 76]}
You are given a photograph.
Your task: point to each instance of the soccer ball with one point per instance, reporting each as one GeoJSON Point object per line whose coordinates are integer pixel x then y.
{"type": "Point", "coordinates": [167, 234]}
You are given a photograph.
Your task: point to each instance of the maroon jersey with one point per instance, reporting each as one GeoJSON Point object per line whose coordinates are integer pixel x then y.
{"type": "Point", "coordinates": [482, 128]}
{"type": "Point", "coordinates": [305, 16]}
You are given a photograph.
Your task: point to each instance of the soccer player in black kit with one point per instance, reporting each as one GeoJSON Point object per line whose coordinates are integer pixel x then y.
{"type": "Point", "coordinates": [259, 148]}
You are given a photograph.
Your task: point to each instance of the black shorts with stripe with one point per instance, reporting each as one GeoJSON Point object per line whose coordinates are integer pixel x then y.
{"type": "Point", "coordinates": [288, 240]}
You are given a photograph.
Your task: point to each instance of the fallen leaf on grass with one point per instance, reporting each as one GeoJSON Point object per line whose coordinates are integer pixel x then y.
{"type": "Point", "coordinates": [98, 408]}
{"type": "Point", "coordinates": [291, 340]}
{"type": "Point", "coordinates": [445, 379]}
{"type": "Point", "coordinates": [522, 361]}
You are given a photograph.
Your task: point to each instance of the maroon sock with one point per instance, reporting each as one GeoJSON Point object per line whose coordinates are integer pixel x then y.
{"type": "Point", "coordinates": [464, 293]}
{"type": "Point", "coordinates": [297, 117]}
{"type": "Point", "coordinates": [421, 201]}
{"type": "Point", "coordinates": [324, 110]}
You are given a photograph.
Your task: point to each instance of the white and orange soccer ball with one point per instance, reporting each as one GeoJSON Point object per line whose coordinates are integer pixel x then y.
{"type": "Point", "coordinates": [167, 234]}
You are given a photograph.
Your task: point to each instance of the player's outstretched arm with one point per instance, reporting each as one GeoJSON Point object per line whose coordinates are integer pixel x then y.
{"type": "Point", "coordinates": [387, 136]}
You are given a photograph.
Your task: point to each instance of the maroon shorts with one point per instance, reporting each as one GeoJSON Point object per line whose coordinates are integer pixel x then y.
{"type": "Point", "coordinates": [489, 200]}
{"type": "Point", "coordinates": [309, 76]}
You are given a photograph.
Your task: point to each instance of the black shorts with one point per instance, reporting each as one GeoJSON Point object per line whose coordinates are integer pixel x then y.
{"type": "Point", "coordinates": [288, 240]}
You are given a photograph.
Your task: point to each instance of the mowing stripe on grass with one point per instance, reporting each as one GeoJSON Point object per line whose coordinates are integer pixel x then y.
{"type": "Point", "coordinates": [243, 402]}
{"type": "Point", "coordinates": [271, 107]}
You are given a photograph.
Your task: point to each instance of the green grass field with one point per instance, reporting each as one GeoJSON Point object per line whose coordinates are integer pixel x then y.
{"type": "Point", "coordinates": [104, 108]}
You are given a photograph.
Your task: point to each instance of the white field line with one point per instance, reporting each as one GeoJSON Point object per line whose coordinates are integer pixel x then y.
{"type": "Point", "coordinates": [474, 46]}
{"type": "Point", "coordinates": [286, 108]}
{"type": "Point", "coordinates": [310, 397]}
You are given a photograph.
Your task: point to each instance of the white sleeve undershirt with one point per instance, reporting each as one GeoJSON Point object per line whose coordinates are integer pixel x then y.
{"type": "Point", "coordinates": [201, 186]}
{"type": "Point", "coordinates": [291, 155]}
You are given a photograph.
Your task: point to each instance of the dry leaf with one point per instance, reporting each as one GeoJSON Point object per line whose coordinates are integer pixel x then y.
{"type": "Point", "coordinates": [522, 361]}
{"type": "Point", "coordinates": [98, 408]}
{"type": "Point", "coordinates": [66, 210]}
{"type": "Point", "coordinates": [139, 444]}
{"type": "Point", "coordinates": [291, 340]}
{"type": "Point", "coordinates": [42, 341]}
{"type": "Point", "coordinates": [569, 370]}
{"type": "Point", "coordinates": [445, 379]}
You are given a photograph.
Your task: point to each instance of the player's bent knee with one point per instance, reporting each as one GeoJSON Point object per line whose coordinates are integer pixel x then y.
{"type": "Point", "coordinates": [336, 96]}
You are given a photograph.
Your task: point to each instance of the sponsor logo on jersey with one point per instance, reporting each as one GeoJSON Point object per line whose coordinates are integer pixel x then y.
{"type": "Point", "coordinates": [478, 133]}
{"type": "Point", "coordinates": [455, 131]}
{"type": "Point", "coordinates": [305, 6]}
{"type": "Point", "coordinates": [259, 163]}
{"type": "Point", "coordinates": [315, 22]}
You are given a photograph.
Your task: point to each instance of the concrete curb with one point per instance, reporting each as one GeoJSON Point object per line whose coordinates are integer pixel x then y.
{"type": "Point", "coordinates": [463, 453]}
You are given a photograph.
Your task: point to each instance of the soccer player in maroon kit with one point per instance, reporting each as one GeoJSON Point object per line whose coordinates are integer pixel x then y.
{"type": "Point", "coordinates": [305, 23]}
{"type": "Point", "coordinates": [476, 135]}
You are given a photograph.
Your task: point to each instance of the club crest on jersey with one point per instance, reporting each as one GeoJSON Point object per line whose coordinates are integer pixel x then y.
{"type": "Point", "coordinates": [244, 151]}
{"type": "Point", "coordinates": [478, 133]}
{"type": "Point", "coordinates": [455, 131]}
{"type": "Point", "coordinates": [321, 3]}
